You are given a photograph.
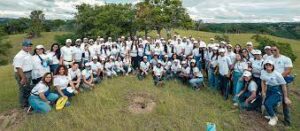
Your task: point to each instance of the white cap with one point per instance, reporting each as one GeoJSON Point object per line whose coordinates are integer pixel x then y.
{"type": "Point", "coordinates": [212, 38]}
{"type": "Point", "coordinates": [247, 73]}
{"type": "Point", "coordinates": [156, 53]}
{"type": "Point", "coordinates": [101, 39]}
{"type": "Point", "coordinates": [223, 42]}
{"type": "Point", "coordinates": [210, 45]}
{"type": "Point", "coordinates": [202, 45]}
{"type": "Point", "coordinates": [102, 58]}
{"type": "Point", "coordinates": [109, 38]}
{"type": "Point", "coordinates": [222, 50]}
{"type": "Point", "coordinates": [159, 62]}
{"type": "Point", "coordinates": [267, 47]}
{"type": "Point", "coordinates": [268, 62]}
{"type": "Point", "coordinates": [87, 64]}
{"type": "Point", "coordinates": [176, 60]}
{"type": "Point", "coordinates": [183, 62]}
{"type": "Point", "coordinates": [68, 41]}
{"type": "Point", "coordinates": [95, 57]}
{"type": "Point", "coordinates": [78, 40]}
{"type": "Point", "coordinates": [256, 52]}
{"type": "Point", "coordinates": [123, 37]}
{"type": "Point", "coordinates": [39, 47]}
{"type": "Point", "coordinates": [166, 56]}
{"type": "Point", "coordinates": [195, 42]}
{"type": "Point", "coordinates": [249, 43]}
{"type": "Point", "coordinates": [112, 57]}
{"type": "Point", "coordinates": [193, 61]}
{"type": "Point", "coordinates": [229, 45]}
{"type": "Point", "coordinates": [215, 48]}
{"type": "Point", "coordinates": [145, 57]}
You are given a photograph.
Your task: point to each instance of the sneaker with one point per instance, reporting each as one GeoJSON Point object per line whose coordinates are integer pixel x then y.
{"type": "Point", "coordinates": [268, 117]}
{"type": "Point", "coordinates": [273, 121]}
{"type": "Point", "coordinates": [68, 104]}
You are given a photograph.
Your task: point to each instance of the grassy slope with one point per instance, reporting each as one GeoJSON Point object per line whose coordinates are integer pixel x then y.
{"type": "Point", "coordinates": [177, 108]}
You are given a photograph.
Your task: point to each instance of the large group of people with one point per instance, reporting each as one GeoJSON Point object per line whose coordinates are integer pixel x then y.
{"type": "Point", "coordinates": [256, 79]}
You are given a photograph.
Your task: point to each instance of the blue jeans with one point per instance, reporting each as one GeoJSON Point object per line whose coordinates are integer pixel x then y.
{"type": "Point", "coordinates": [273, 97]}
{"type": "Point", "coordinates": [198, 62]}
{"type": "Point", "coordinates": [250, 106]}
{"type": "Point", "coordinates": [212, 78]}
{"type": "Point", "coordinates": [237, 84]}
{"type": "Point", "coordinates": [196, 82]}
{"type": "Point", "coordinates": [53, 68]}
{"type": "Point", "coordinates": [66, 93]}
{"type": "Point", "coordinates": [41, 106]}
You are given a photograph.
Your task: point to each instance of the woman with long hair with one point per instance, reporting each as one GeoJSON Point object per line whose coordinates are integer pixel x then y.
{"type": "Point", "coordinates": [40, 64]}
{"type": "Point", "coordinates": [54, 56]}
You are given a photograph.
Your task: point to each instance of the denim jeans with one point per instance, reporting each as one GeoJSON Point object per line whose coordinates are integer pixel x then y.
{"type": "Point", "coordinates": [212, 79]}
{"type": "Point", "coordinates": [273, 97]}
{"type": "Point", "coordinates": [196, 82]}
{"type": "Point", "coordinates": [250, 106]}
{"type": "Point", "coordinates": [286, 111]}
{"type": "Point", "coordinates": [41, 106]}
{"type": "Point", "coordinates": [53, 68]}
{"type": "Point", "coordinates": [237, 84]}
{"type": "Point", "coordinates": [198, 62]}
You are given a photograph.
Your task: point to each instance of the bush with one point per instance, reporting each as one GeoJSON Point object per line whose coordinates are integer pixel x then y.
{"type": "Point", "coordinates": [61, 39]}
{"type": "Point", "coordinates": [222, 37]}
{"type": "Point", "coordinates": [4, 48]}
{"type": "Point", "coordinates": [285, 48]}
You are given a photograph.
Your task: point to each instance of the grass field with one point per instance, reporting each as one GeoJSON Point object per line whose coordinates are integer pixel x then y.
{"type": "Point", "coordinates": [177, 107]}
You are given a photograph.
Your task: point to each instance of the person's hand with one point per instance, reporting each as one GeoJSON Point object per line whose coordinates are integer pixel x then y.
{"type": "Point", "coordinates": [23, 81]}
{"type": "Point", "coordinates": [77, 86]}
{"type": "Point", "coordinates": [287, 101]}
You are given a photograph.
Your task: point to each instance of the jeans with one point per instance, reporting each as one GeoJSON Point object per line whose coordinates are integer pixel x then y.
{"type": "Point", "coordinates": [223, 84]}
{"type": "Point", "coordinates": [258, 82]}
{"type": "Point", "coordinates": [53, 68]}
{"type": "Point", "coordinates": [198, 62]}
{"type": "Point", "coordinates": [212, 79]}
{"type": "Point", "coordinates": [41, 106]}
{"type": "Point", "coordinates": [286, 111]}
{"type": "Point", "coordinates": [196, 82]}
{"type": "Point", "coordinates": [237, 84]}
{"type": "Point", "coordinates": [24, 90]}
{"type": "Point", "coordinates": [157, 79]}
{"type": "Point", "coordinates": [273, 97]}
{"type": "Point", "coordinates": [250, 106]}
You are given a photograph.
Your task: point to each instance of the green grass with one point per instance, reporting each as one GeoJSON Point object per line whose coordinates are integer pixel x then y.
{"type": "Point", "coordinates": [105, 108]}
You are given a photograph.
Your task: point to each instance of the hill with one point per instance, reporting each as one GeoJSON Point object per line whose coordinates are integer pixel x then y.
{"type": "Point", "coordinates": [174, 107]}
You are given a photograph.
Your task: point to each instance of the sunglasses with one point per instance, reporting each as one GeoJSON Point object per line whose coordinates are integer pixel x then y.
{"type": "Point", "coordinates": [274, 50]}
{"type": "Point", "coordinates": [268, 64]}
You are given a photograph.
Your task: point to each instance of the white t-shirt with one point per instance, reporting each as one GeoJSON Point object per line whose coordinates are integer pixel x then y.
{"type": "Point", "coordinates": [67, 53]}
{"type": "Point", "coordinates": [158, 71]}
{"type": "Point", "coordinates": [176, 67]}
{"type": "Point", "coordinates": [281, 63]}
{"type": "Point", "coordinates": [61, 81]}
{"type": "Point", "coordinates": [197, 72]}
{"type": "Point", "coordinates": [144, 65]}
{"type": "Point", "coordinates": [240, 66]}
{"type": "Point", "coordinates": [272, 79]}
{"type": "Point", "coordinates": [188, 49]}
{"type": "Point", "coordinates": [179, 49]}
{"type": "Point", "coordinates": [39, 88]}
{"type": "Point", "coordinates": [53, 59]}
{"type": "Point", "coordinates": [77, 54]}
{"type": "Point", "coordinates": [186, 70]}
{"type": "Point", "coordinates": [23, 60]}
{"type": "Point", "coordinates": [252, 86]}
{"type": "Point", "coordinates": [257, 66]}
{"type": "Point", "coordinates": [38, 69]}
{"type": "Point", "coordinates": [119, 64]}
{"type": "Point", "coordinates": [109, 65]}
{"type": "Point", "coordinates": [96, 66]}
{"type": "Point", "coordinates": [266, 56]}
{"type": "Point", "coordinates": [73, 74]}
{"type": "Point", "coordinates": [224, 64]}
{"type": "Point", "coordinates": [86, 73]}
{"type": "Point", "coordinates": [232, 56]}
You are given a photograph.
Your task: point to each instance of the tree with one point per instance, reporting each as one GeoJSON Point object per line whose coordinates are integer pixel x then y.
{"type": "Point", "coordinates": [4, 46]}
{"type": "Point", "coordinates": [37, 18]}
{"type": "Point", "coordinates": [285, 48]}
{"type": "Point", "coordinates": [106, 20]}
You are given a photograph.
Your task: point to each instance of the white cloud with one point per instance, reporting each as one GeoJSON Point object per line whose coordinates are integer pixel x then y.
{"type": "Point", "coordinates": [207, 10]}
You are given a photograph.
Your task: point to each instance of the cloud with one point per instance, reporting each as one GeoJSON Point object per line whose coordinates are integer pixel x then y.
{"type": "Point", "coordinates": [220, 11]}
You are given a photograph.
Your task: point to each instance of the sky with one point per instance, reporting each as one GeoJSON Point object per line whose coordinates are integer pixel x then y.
{"type": "Point", "coordinates": [210, 11]}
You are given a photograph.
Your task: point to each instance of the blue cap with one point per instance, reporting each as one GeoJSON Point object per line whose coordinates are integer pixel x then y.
{"type": "Point", "coordinates": [26, 43]}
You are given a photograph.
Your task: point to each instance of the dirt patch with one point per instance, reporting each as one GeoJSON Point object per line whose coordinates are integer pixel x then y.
{"type": "Point", "coordinates": [11, 120]}
{"type": "Point", "coordinates": [140, 102]}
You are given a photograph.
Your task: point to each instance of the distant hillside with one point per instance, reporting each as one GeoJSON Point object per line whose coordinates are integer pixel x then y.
{"type": "Point", "coordinates": [286, 30]}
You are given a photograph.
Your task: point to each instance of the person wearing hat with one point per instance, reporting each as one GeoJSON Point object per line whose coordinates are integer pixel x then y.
{"type": "Point", "coordinates": [230, 53]}
{"type": "Point", "coordinates": [119, 66]}
{"type": "Point", "coordinates": [144, 68]}
{"type": "Point", "coordinates": [257, 67]}
{"type": "Point", "coordinates": [179, 49]}
{"type": "Point", "coordinates": [185, 72]}
{"type": "Point", "coordinates": [41, 98]}
{"type": "Point", "coordinates": [188, 48]}
{"type": "Point", "coordinates": [196, 79]}
{"type": "Point", "coordinates": [247, 57]}
{"type": "Point", "coordinates": [268, 53]}
{"type": "Point", "coordinates": [175, 69]}
{"type": "Point", "coordinates": [154, 60]}
{"type": "Point", "coordinates": [87, 77]}
{"type": "Point", "coordinates": [284, 66]}
{"type": "Point", "coordinates": [23, 66]}
{"type": "Point", "coordinates": [224, 64]}
{"type": "Point", "coordinates": [158, 74]}
{"type": "Point", "coordinates": [249, 45]}
{"type": "Point", "coordinates": [166, 63]}
{"type": "Point", "coordinates": [97, 69]}
{"type": "Point", "coordinates": [40, 62]}
{"type": "Point", "coordinates": [274, 90]}
{"type": "Point", "coordinates": [248, 97]}
{"type": "Point", "coordinates": [84, 43]}
{"type": "Point", "coordinates": [212, 67]}
{"type": "Point", "coordinates": [67, 54]}
{"type": "Point", "coordinates": [127, 64]}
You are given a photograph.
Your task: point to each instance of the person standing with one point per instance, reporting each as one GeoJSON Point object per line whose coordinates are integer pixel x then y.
{"type": "Point", "coordinates": [67, 54]}
{"type": "Point", "coordinates": [22, 64]}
